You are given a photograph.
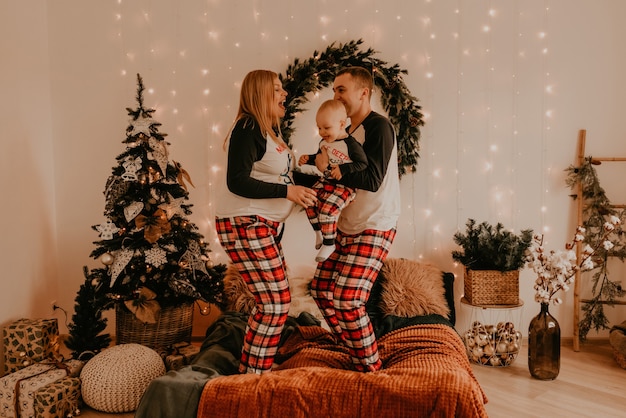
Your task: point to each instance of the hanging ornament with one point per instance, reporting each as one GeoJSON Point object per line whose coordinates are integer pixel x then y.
{"type": "Point", "coordinates": [132, 210]}
{"type": "Point", "coordinates": [122, 258]}
{"type": "Point", "coordinates": [131, 166]}
{"type": "Point", "coordinates": [153, 175]}
{"type": "Point", "coordinates": [172, 206]}
{"type": "Point", "coordinates": [156, 256]}
{"type": "Point", "coordinates": [193, 257]}
{"type": "Point", "coordinates": [107, 229]}
{"type": "Point", "coordinates": [182, 176]}
{"type": "Point", "coordinates": [210, 264]}
{"type": "Point", "coordinates": [154, 226]}
{"type": "Point", "coordinates": [140, 125]}
{"type": "Point", "coordinates": [158, 154]}
{"type": "Point", "coordinates": [115, 188]}
{"type": "Point", "coordinates": [107, 259]}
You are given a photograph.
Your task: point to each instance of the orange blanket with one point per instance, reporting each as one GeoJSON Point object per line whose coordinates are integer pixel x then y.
{"type": "Point", "coordinates": [425, 373]}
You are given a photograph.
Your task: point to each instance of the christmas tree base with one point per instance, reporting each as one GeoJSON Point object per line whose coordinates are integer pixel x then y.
{"type": "Point", "coordinates": [173, 326]}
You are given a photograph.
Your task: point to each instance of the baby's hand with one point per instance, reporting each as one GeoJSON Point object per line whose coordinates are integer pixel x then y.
{"type": "Point", "coordinates": [335, 172]}
{"type": "Point", "coordinates": [303, 159]}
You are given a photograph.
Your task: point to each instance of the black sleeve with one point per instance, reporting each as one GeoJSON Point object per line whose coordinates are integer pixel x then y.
{"type": "Point", "coordinates": [378, 146]}
{"type": "Point", "coordinates": [357, 155]}
{"type": "Point", "coordinates": [247, 145]}
{"type": "Point", "coordinates": [311, 157]}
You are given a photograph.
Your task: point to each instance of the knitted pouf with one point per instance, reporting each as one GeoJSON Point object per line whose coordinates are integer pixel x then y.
{"type": "Point", "coordinates": [115, 379]}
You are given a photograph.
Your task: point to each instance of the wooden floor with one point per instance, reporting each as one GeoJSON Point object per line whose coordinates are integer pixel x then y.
{"type": "Point", "coordinates": [590, 384]}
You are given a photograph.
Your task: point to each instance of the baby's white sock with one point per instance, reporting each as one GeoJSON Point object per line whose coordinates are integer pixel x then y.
{"type": "Point", "coordinates": [318, 239]}
{"type": "Point", "coordinates": [324, 253]}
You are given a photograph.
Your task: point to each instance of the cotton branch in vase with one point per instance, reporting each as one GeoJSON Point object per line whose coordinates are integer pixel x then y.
{"type": "Point", "coordinates": [555, 270]}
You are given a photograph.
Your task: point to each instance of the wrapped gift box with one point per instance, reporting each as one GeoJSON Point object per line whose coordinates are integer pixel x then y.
{"type": "Point", "coordinates": [178, 355]}
{"type": "Point", "coordinates": [27, 341]}
{"type": "Point", "coordinates": [17, 389]}
{"type": "Point", "coordinates": [58, 399]}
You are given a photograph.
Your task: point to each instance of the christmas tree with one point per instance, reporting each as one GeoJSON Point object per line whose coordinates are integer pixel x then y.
{"type": "Point", "coordinates": [153, 256]}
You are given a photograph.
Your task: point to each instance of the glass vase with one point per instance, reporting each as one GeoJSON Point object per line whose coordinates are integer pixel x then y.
{"type": "Point", "coordinates": [544, 346]}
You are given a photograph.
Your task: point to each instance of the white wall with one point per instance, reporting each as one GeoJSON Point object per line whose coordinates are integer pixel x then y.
{"type": "Point", "coordinates": [28, 247]}
{"type": "Point", "coordinates": [507, 89]}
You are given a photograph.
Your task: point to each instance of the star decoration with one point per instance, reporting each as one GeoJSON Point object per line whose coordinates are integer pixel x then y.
{"type": "Point", "coordinates": [107, 229]}
{"type": "Point", "coordinates": [173, 206]}
{"type": "Point", "coordinates": [141, 125]}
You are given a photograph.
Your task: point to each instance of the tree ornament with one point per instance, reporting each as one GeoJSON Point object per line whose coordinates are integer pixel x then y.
{"type": "Point", "coordinates": [182, 176]}
{"type": "Point", "coordinates": [173, 206]}
{"type": "Point", "coordinates": [318, 72]}
{"type": "Point", "coordinates": [107, 259]}
{"type": "Point", "coordinates": [132, 210]}
{"type": "Point", "coordinates": [115, 188]}
{"type": "Point", "coordinates": [107, 229]}
{"type": "Point", "coordinates": [154, 225]}
{"type": "Point", "coordinates": [140, 125]}
{"type": "Point", "coordinates": [122, 258]}
{"type": "Point", "coordinates": [156, 256]}
{"type": "Point", "coordinates": [158, 154]}
{"type": "Point", "coordinates": [131, 165]}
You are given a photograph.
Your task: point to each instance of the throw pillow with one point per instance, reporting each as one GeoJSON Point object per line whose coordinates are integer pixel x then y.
{"type": "Point", "coordinates": [412, 289]}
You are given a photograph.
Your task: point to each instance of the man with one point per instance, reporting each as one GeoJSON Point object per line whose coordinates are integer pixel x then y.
{"type": "Point", "coordinates": [366, 227]}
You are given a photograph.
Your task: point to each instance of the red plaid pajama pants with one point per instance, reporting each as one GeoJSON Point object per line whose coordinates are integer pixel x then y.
{"type": "Point", "coordinates": [331, 199]}
{"type": "Point", "coordinates": [252, 245]}
{"type": "Point", "coordinates": [342, 285]}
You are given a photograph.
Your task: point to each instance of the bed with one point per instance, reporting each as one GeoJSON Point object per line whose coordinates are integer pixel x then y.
{"type": "Point", "coordinates": [425, 372]}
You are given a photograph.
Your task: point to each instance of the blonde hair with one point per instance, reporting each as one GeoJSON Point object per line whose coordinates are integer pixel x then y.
{"type": "Point", "coordinates": [333, 105]}
{"type": "Point", "coordinates": [255, 101]}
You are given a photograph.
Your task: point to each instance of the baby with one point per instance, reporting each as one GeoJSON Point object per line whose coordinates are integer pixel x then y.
{"type": "Point", "coordinates": [332, 197]}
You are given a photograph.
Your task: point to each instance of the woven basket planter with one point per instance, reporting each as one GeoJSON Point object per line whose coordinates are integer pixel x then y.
{"type": "Point", "coordinates": [491, 287]}
{"type": "Point", "coordinates": [173, 326]}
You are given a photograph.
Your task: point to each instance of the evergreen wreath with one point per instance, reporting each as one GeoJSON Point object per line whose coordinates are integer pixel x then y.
{"type": "Point", "coordinates": [318, 72]}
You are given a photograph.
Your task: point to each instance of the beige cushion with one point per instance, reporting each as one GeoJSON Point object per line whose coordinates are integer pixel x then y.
{"type": "Point", "coordinates": [412, 289]}
{"type": "Point", "coordinates": [238, 298]}
{"type": "Point", "coordinates": [115, 379]}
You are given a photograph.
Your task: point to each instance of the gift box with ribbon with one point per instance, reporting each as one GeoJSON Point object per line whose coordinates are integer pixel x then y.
{"type": "Point", "coordinates": [58, 399]}
{"type": "Point", "coordinates": [27, 341]}
{"type": "Point", "coordinates": [17, 389]}
{"type": "Point", "coordinates": [178, 355]}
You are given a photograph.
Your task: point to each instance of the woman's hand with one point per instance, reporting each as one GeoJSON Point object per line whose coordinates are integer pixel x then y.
{"type": "Point", "coordinates": [301, 195]}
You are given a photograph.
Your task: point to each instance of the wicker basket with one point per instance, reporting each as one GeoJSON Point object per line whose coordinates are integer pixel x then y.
{"type": "Point", "coordinates": [491, 287]}
{"type": "Point", "coordinates": [173, 326]}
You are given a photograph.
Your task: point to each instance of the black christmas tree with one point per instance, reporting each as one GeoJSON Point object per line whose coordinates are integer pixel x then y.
{"type": "Point", "coordinates": [153, 256]}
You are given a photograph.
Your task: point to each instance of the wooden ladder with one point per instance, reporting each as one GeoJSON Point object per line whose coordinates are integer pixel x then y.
{"type": "Point", "coordinates": [580, 205]}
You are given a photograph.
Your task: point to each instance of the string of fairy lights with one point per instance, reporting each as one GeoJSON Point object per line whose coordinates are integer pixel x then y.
{"type": "Point", "coordinates": [416, 32]}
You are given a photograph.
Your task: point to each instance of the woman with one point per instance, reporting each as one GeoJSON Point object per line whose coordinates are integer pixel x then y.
{"type": "Point", "coordinates": [250, 216]}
